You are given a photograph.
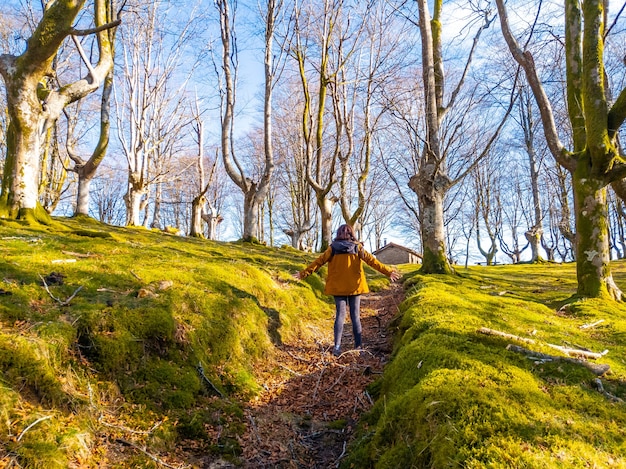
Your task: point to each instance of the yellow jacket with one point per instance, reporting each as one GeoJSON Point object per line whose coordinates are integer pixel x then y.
{"type": "Point", "coordinates": [345, 268]}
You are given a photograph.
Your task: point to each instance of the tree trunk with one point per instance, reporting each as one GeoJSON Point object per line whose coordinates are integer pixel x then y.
{"type": "Point", "coordinates": [197, 206]}
{"type": "Point", "coordinates": [82, 198]}
{"type": "Point", "coordinates": [156, 212]}
{"type": "Point", "coordinates": [592, 231]}
{"type": "Point", "coordinates": [533, 236]}
{"type": "Point", "coordinates": [213, 219]}
{"type": "Point", "coordinates": [87, 171]}
{"type": "Point", "coordinates": [435, 259]}
{"type": "Point", "coordinates": [326, 215]}
{"type": "Point", "coordinates": [251, 208]}
{"type": "Point", "coordinates": [21, 170]}
{"type": "Point", "coordinates": [133, 200]}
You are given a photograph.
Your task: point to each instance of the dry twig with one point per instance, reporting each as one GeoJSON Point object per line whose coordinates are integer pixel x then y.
{"type": "Point", "coordinates": [62, 303]}
{"type": "Point", "coordinates": [593, 367]}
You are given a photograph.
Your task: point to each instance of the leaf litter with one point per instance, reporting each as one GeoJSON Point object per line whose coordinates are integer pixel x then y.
{"type": "Point", "coordinates": [307, 419]}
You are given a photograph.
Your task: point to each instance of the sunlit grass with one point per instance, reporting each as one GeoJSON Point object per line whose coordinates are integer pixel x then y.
{"type": "Point", "coordinates": [102, 324]}
{"type": "Point", "coordinates": [455, 397]}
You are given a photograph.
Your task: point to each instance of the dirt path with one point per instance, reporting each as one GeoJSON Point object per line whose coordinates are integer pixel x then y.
{"type": "Point", "coordinates": [307, 419]}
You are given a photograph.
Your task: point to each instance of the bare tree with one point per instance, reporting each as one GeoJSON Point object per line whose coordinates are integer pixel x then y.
{"type": "Point", "coordinates": [86, 170]}
{"type": "Point", "coordinates": [527, 123]}
{"type": "Point", "coordinates": [488, 212]}
{"type": "Point", "coordinates": [593, 161]}
{"type": "Point", "coordinates": [432, 180]}
{"type": "Point", "coordinates": [254, 192]}
{"type": "Point", "coordinates": [150, 107]}
{"type": "Point", "coordinates": [298, 209]}
{"type": "Point", "coordinates": [34, 103]}
{"type": "Point", "coordinates": [320, 163]}
{"type": "Point", "coordinates": [202, 210]}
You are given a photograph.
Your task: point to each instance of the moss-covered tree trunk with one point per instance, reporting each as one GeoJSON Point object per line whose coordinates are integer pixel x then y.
{"type": "Point", "coordinates": [431, 190]}
{"type": "Point", "coordinates": [592, 247]}
{"type": "Point", "coordinates": [33, 107]}
{"type": "Point", "coordinates": [593, 161]}
{"type": "Point", "coordinates": [20, 182]}
{"type": "Point", "coordinates": [197, 207]}
{"type": "Point", "coordinates": [430, 184]}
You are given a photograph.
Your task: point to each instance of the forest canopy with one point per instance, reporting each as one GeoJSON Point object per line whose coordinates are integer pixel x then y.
{"type": "Point", "coordinates": [461, 130]}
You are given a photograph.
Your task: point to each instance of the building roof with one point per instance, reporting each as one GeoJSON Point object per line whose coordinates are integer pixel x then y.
{"type": "Point", "coordinates": [397, 246]}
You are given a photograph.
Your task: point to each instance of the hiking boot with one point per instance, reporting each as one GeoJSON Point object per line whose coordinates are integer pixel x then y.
{"type": "Point", "coordinates": [336, 351]}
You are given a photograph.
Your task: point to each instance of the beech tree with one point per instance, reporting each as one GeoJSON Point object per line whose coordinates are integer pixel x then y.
{"type": "Point", "coordinates": [320, 162]}
{"type": "Point", "coordinates": [534, 233]}
{"type": "Point", "coordinates": [34, 102]}
{"type": "Point", "coordinates": [203, 208]}
{"type": "Point", "coordinates": [432, 181]}
{"type": "Point", "coordinates": [86, 169]}
{"type": "Point", "coordinates": [298, 209]}
{"type": "Point", "coordinates": [254, 191]}
{"type": "Point", "coordinates": [151, 106]}
{"type": "Point", "coordinates": [593, 159]}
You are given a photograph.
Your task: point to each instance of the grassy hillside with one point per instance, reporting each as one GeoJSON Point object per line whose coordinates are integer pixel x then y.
{"type": "Point", "coordinates": [109, 332]}
{"type": "Point", "coordinates": [114, 337]}
{"type": "Point", "coordinates": [456, 397]}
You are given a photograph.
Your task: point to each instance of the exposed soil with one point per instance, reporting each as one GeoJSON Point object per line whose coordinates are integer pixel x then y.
{"type": "Point", "coordinates": [307, 419]}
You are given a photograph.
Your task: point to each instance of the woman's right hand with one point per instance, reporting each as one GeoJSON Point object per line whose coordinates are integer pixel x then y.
{"type": "Point", "coordinates": [395, 276]}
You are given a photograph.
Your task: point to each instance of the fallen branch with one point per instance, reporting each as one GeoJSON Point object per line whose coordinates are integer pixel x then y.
{"type": "Point", "coordinates": [32, 425]}
{"type": "Point", "coordinates": [62, 303]}
{"type": "Point", "coordinates": [593, 367]}
{"type": "Point", "coordinates": [129, 430]}
{"type": "Point", "coordinates": [487, 331]}
{"type": "Point", "coordinates": [317, 385]}
{"type": "Point", "coordinates": [79, 254]}
{"type": "Point", "coordinates": [591, 324]}
{"type": "Point", "coordinates": [256, 432]}
{"type": "Point", "coordinates": [573, 352]}
{"type": "Point", "coordinates": [343, 453]}
{"type": "Point", "coordinates": [607, 394]}
{"type": "Point", "coordinates": [108, 290]}
{"type": "Point", "coordinates": [343, 372]}
{"type": "Point", "coordinates": [200, 369]}
{"type": "Point", "coordinates": [295, 373]}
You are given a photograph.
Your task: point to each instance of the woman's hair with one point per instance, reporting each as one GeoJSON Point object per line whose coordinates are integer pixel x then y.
{"type": "Point", "coordinates": [346, 232]}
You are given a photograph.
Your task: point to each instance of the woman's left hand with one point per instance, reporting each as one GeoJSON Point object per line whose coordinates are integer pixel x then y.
{"type": "Point", "coordinates": [395, 276]}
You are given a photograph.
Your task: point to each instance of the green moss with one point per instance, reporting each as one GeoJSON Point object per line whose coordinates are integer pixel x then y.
{"type": "Point", "coordinates": [27, 365]}
{"type": "Point", "coordinates": [92, 233]}
{"type": "Point", "coordinates": [454, 397]}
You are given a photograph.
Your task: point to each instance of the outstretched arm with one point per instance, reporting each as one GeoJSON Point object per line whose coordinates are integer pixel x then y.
{"type": "Point", "coordinates": [370, 260]}
{"type": "Point", "coordinates": [315, 265]}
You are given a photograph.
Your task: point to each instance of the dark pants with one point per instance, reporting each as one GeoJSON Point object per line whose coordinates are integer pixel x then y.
{"type": "Point", "coordinates": [342, 303]}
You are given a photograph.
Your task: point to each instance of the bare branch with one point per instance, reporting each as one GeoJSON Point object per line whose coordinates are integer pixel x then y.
{"type": "Point", "coordinates": [525, 59]}
{"type": "Point", "coordinates": [87, 32]}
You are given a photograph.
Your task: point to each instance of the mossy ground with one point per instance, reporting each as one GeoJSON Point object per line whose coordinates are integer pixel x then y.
{"type": "Point", "coordinates": [453, 397]}
{"type": "Point", "coordinates": [110, 352]}
{"type": "Point", "coordinates": [117, 340]}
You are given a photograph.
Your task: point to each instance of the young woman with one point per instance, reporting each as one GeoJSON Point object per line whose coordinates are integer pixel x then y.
{"type": "Point", "coordinates": [346, 279]}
